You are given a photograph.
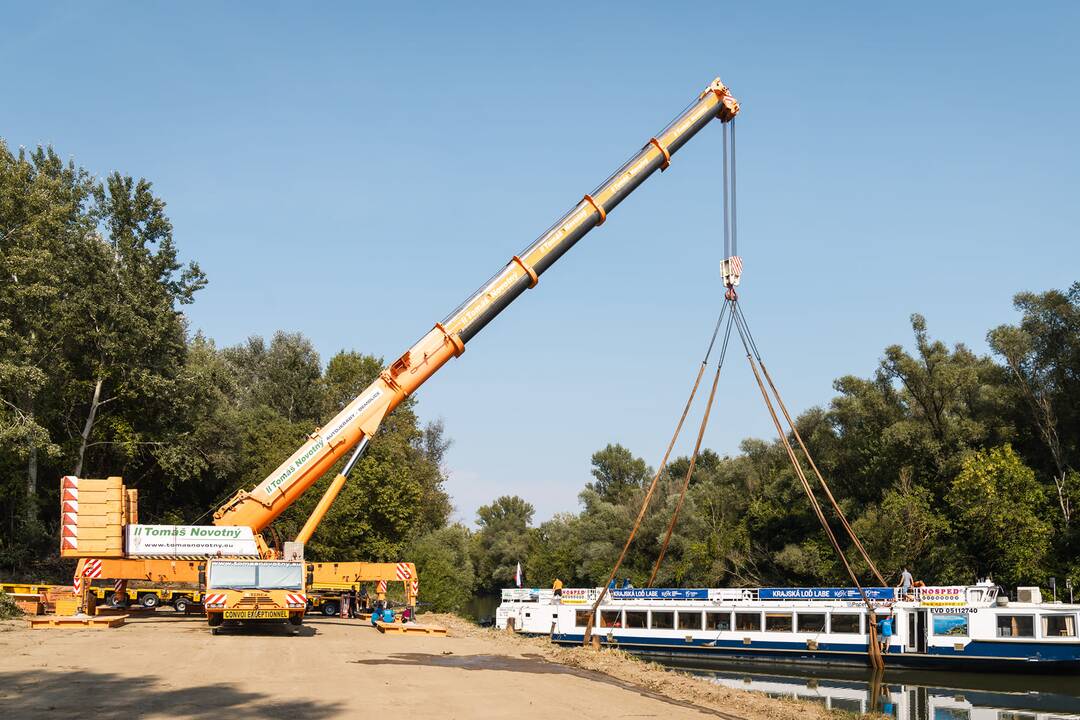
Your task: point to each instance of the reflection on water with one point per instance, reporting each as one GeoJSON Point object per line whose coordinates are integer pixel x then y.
{"type": "Point", "coordinates": [911, 695]}
{"type": "Point", "coordinates": [481, 608]}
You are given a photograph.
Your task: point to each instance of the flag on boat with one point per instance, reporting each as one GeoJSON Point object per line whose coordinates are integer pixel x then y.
{"type": "Point", "coordinates": [517, 575]}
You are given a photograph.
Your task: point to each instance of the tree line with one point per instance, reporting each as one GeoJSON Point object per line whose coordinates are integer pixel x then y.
{"type": "Point", "coordinates": [101, 375]}
{"type": "Point", "coordinates": [954, 464]}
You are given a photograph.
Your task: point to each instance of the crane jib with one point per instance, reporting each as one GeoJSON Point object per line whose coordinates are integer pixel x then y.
{"type": "Point", "coordinates": [480, 309]}
{"type": "Point", "coordinates": [361, 417]}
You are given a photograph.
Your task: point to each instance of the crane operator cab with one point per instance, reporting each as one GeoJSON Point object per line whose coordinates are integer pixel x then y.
{"type": "Point", "coordinates": [254, 591]}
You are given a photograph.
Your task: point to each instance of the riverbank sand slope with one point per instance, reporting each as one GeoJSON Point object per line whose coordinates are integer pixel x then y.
{"type": "Point", "coordinates": [170, 666]}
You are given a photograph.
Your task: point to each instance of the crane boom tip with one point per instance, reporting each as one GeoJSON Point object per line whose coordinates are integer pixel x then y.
{"type": "Point", "coordinates": [729, 106]}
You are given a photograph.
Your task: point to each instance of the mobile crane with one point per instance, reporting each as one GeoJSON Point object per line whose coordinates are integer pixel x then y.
{"type": "Point", "coordinates": [355, 425]}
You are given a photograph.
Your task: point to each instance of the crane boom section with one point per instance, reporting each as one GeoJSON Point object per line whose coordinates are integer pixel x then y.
{"type": "Point", "coordinates": [362, 417]}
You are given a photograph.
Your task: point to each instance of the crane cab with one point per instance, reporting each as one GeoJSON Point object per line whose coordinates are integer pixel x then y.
{"type": "Point", "coordinates": [254, 591]}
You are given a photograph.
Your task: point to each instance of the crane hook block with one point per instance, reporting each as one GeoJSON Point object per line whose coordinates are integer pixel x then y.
{"type": "Point", "coordinates": [731, 271]}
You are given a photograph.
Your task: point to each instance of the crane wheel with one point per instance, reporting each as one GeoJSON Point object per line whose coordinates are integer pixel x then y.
{"type": "Point", "coordinates": [331, 608]}
{"type": "Point", "coordinates": [182, 605]}
{"type": "Point", "coordinates": [117, 600]}
{"type": "Point", "coordinates": [296, 620]}
{"type": "Point", "coordinates": [149, 600]}
{"type": "Point", "coordinates": [214, 619]}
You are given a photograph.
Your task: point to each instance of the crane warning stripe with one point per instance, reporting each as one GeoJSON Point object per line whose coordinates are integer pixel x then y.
{"type": "Point", "coordinates": [295, 599]}
{"type": "Point", "coordinates": [92, 569]}
{"type": "Point", "coordinates": [381, 587]}
{"type": "Point", "coordinates": [402, 571]}
{"type": "Point", "coordinates": [214, 600]}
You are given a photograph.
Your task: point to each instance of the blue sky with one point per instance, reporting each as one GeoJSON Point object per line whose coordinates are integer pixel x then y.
{"type": "Point", "coordinates": [354, 171]}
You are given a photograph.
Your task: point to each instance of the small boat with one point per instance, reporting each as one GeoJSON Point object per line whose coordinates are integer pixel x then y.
{"type": "Point", "coordinates": [969, 627]}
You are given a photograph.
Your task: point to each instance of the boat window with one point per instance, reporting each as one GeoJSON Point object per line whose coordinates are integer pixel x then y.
{"type": "Point", "coordinates": [975, 596]}
{"type": "Point", "coordinates": [846, 623]}
{"type": "Point", "coordinates": [748, 621]}
{"type": "Point", "coordinates": [950, 625]}
{"type": "Point", "coordinates": [948, 713]}
{"type": "Point", "coordinates": [1016, 626]}
{"type": "Point", "coordinates": [717, 621]}
{"type": "Point", "coordinates": [689, 620]}
{"type": "Point", "coordinates": [777, 622]}
{"type": "Point", "coordinates": [811, 622]}
{"type": "Point", "coordinates": [663, 620]}
{"type": "Point", "coordinates": [637, 619]}
{"type": "Point", "coordinates": [610, 618]}
{"type": "Point", "coordinates": [581, 618]}
{"type": "Point", "coordinates": [1059, 625]}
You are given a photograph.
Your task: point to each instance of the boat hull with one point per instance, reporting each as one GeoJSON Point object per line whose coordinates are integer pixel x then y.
{"type": "Point", "coordinates": [978, 656]}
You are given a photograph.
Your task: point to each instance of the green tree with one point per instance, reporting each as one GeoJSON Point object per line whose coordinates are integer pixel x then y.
{"type": "Point", "coordinates": [905, 530]}
{"type": "Point", "coordinates": [44, 220]}
{"type": "Point", "coordinates": [502, 540]}
{"type": "Point", "coordinates": [998, 507]}
{"type": "Point", "coordinates": [285, 376]}
{"type": "Point", "coordinates": [554, 552]}
{"type": "Point", "coordinates": [447, 578]}
{"type": "Point", "coordinates": [618, 473]}
{"type": "Point", "coordinates": [1043, 355]}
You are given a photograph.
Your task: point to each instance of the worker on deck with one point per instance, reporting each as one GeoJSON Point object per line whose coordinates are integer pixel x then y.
{"type": "Point", "coordinates": [906, 583]}
{"type": "Point", "coordinates": [556, 587]}
{"type": "Point", "coordinates": [885, 633]}
{"type": "Point", "coordinates": [627, 585]}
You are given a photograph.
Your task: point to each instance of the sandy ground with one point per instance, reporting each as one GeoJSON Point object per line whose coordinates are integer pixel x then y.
{"type": "Point", "coordinates": [169, 666]}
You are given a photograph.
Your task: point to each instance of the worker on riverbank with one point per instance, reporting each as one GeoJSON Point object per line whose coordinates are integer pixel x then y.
{"type": "Point", "coordinates": [556, 587]}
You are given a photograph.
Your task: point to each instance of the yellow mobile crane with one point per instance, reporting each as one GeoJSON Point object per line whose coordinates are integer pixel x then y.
{"type": "Point", "coordinates": [356, 424]}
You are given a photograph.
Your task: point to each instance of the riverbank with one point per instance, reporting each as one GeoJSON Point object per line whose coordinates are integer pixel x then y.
{"type": "Point", "coordinates": [171, 666]}
{"type": "Point", "coordinates": [674, 685]}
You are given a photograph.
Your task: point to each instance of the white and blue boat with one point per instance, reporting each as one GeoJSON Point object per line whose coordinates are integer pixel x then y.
{"type": "Point", "coordinates": [949, 627]}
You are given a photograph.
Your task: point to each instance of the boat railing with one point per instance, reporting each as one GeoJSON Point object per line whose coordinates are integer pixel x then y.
{"type": "Point", "coordinates": [977, 595]}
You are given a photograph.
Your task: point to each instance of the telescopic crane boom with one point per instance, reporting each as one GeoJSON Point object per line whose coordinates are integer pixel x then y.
{"type": "Point", "coordinates": [360, 419]}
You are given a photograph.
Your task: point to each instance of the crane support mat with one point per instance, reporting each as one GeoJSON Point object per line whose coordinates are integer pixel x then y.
{"type": "Point", "coordinates": [410, 629]}
{"type": "Point", "coordinates": [76, 622]}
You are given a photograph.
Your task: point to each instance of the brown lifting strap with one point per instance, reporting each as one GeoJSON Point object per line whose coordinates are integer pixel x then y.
{"type": "Point", "coordinates": [599, 208]}
{"type": "Point", "coordinates": [873, 649]}
{"type": "Point", "coordinates": [664, 150]}
{"type": "Point", "coordinates": [652, 486]}
{"type": "Point", "coordinates": [533, 277]}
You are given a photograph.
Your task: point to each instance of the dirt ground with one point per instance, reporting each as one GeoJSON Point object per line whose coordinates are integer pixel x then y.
{"type": "Point", "coordinates": [171, 666]}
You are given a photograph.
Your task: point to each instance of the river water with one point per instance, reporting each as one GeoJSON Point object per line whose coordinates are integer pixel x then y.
{"type": "Point", "coordinates": [909, 694]}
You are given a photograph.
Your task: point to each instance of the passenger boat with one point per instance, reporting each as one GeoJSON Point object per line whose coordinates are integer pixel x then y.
{"type": "Point", "coordinates": [955, 627]}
